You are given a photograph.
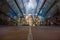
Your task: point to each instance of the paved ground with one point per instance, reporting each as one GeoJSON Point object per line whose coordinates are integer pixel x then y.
{"type": "Point", "coordinates": [37, 33]}
{"type": "Point", "coordinates": [46, 33]}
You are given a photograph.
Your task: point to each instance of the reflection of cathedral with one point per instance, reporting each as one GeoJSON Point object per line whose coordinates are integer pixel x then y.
{"type": "Point", "coordinates": [30, 21]}
{"type": "Point", "coordinates": [23, 21]}
{"type": "Point", "coordinates": [36, 20]}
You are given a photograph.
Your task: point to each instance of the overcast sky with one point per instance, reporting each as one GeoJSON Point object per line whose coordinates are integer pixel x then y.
{"type": "Point", "coordinates": [30, 6]}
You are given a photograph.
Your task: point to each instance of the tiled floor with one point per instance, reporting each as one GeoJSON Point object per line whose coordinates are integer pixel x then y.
{"type": "Point", "coordinates": [21, 33]}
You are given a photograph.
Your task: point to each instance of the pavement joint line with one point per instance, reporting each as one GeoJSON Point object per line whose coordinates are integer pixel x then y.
{"type": "Point", "coordinates": [30, 37]}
